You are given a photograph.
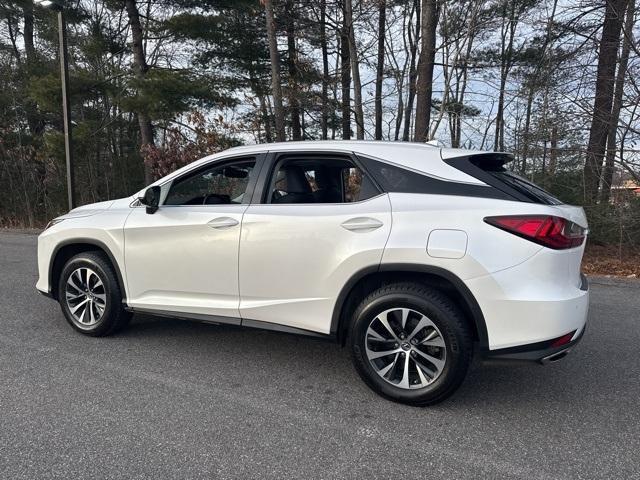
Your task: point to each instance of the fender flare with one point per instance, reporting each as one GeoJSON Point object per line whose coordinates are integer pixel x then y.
{"type": "Point", "coordinates": [87, 241]}
{"type": "Point", "coordinates": [471, 303]}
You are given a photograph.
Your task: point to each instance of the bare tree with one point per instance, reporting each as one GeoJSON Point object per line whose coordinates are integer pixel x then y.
{"type": "Point", "coordinates": [424, 83]}
{"type": "Point", "coordinates": [382, 23]}
{"type": "Point", "coordinates": [355, 69]}
{"type": "Point", "coordinates": [276, 88]}
{"type": "Point", "coordinates": [325, 69]}
{"type": "Point", "coordinates": [414, 38]}
{"type": "Point", "coordinates": [292, 56]}
{"type": "Point", "coordinates": [601, 121]}
{"type": "Point", "coordinates": [141, 68]}
{"type": "Point", "coordinates": [612, 148]}
{"type": "Point", "coordinates": [345, 76]}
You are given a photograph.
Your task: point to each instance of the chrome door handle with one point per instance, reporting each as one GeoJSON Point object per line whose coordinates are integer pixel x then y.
{"type": "Point", "coordinates": [222, 223]}
{"type": "Point", "coordinates": [362, 224]}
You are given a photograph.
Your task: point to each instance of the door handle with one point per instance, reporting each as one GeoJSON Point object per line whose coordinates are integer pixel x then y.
{"type": "Point", "coordinates": [361, 224]}
{"type": "Point", "coordinates": [221, 223]}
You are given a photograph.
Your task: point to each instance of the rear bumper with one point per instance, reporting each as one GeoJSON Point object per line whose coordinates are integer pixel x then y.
{"type": "Point", "coordinates": [527, 306]}
{"type": "Point", "coordinates": [541, 352]}
{"type": "Point", "coordinates": [570, 314]}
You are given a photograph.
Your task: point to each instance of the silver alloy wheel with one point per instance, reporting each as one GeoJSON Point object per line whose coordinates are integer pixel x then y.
{"type": "Point", "coordinates": [86, 297]}
{"type": "Point", "coordinates": [405, 348]}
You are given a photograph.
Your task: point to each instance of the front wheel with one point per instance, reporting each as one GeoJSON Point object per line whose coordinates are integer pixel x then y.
{"type": "Point", "coordinates": [410, 343]}
{"type": "Point", "coordinates": [90, 297]}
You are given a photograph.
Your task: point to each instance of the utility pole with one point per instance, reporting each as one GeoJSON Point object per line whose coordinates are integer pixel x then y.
{"type": "Point", "coordinates": [58, 6]}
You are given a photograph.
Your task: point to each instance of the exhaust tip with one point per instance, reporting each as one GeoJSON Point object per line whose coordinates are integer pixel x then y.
{"type": "Point", "coordinates": [555, 357]}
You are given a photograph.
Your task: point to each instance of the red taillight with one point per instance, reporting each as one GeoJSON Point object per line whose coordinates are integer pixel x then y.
{"type": "Point", "coordinates": [548, 230]}
{"type": "Point", "coordinates": [563, 340]}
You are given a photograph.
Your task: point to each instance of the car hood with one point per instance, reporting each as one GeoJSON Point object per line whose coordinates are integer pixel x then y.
{"type": "Point", "coordinates": [88, 210]}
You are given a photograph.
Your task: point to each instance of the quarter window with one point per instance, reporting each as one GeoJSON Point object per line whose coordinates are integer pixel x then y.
{"type": "Point", "coordinates": [220, 184]}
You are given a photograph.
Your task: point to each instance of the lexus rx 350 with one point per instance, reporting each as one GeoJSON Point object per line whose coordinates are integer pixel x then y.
{"type": "Point", "coordinates": [412, 255]}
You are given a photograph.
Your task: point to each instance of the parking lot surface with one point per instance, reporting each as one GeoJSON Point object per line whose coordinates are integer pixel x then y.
{"type": "Point", "coordinates": [177, 399]}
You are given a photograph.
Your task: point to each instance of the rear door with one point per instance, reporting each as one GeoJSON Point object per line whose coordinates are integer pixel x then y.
{"type": "Point", "coordinates": [318, 220]}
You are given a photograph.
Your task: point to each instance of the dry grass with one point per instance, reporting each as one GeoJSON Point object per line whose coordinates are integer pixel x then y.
{"type": "Point", "coordinates": [611, 261]}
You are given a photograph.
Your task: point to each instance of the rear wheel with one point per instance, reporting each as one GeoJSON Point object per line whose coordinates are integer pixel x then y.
{"type": "Point", "coordinates": [90, 296]}
{"type": "Point", "coordinates": [410, 344]}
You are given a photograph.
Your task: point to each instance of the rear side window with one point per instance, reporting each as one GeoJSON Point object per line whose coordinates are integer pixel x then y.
{"type": "Point", "coordinates": [525, 187]}
{"type": "Point", "coordinates": [397, 179]}
{"type": "Point", "coordinates": [392, 178]}
{"type": "Point", "coordinates": [495, 166]}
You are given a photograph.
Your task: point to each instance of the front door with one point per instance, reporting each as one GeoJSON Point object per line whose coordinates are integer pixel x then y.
{"type": "Point", "coordinates": [184, 257]}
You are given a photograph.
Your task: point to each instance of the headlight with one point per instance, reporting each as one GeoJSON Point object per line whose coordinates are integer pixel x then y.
{"type": "Point", "coordinates": [53, 222]}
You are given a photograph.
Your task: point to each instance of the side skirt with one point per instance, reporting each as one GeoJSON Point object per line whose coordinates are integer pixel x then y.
{"type": "Point", "coordinates": [241, 322]}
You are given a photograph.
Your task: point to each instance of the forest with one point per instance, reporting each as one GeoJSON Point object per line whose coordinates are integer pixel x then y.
{"type": "Point", "coordinates": [158, 84]}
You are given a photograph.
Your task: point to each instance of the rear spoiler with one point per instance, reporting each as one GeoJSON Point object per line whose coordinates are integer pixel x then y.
{"type": "Point", "coordinates": [491, 161]}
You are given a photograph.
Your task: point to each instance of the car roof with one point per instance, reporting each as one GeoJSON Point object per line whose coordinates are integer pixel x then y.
{"type": "Point", "coordinates": [353, 145]}
{"type": "Point", "coordinates": [421, 157]}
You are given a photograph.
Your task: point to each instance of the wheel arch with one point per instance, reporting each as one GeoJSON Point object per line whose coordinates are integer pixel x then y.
{"type": "Point", "coordinates": [368, 279]}
{"type": "Point", "coordinates": [68, 248]}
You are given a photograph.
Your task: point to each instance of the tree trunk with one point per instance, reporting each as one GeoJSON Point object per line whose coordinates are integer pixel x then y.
{"type": "Point", "coordinates": [462, 88]}
{"type": "Point", "coordinates": [292, 64]}
{"type": "Point", "coordinates": [508, 35]}
{"type": "Point", "coordinates": [382, 22]}
{"type": "Point", "coordinates": [607, 176]}
{"type": "Point", "coordinates": [28, 31]}
{"type": "Point", "coordinates": [413, 46]}
{"type": "Point", "coordinates": [526, 132]}
{"type": "Point", "coordinates": [601, 121]}
{"type": "Point", "coordinates": [345, 76]}
{"type": "Point", "coordinates": [141, 68]}
{"type": "Point", "coordinates": [424, 85]}
{"type": "Point", "coordinates": [264, 112]}
{"type": "Point", "coordinates": [276, 88]}
{"type": "Point", "coordinates": [553, 152]}
{"type": "Point", "coordinates": [355, 70]}
{"type": "Point", "coordinates": [34, 120]}
{"type": "Point", "coordinates": [325, 69]}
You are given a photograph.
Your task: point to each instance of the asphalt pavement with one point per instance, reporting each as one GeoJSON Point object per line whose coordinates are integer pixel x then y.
{"type": "Point", "coordinates": [178, 399]}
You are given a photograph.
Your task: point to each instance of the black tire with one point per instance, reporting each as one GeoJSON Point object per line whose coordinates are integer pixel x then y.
{"type": "Point", "coordinates": [448, 319]}
{"type": "Point", "coordinates": [114, 316]}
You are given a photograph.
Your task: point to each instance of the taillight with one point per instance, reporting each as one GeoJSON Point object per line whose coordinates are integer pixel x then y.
{"type": "Point", "coordinates": [548, 230]}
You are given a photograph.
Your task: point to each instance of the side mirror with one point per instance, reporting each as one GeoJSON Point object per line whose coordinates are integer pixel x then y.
{"type": "Point", "coordinates": [151, 199]}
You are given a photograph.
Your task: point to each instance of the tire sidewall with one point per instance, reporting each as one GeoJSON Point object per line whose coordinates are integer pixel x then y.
{"type": "Point", "coordinates": [452, 336]}
{"type": "Point", "coordinates": [110, 291]}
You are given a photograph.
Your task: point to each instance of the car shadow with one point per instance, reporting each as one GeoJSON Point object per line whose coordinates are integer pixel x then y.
{"type": "Point", "coordinates": [502, 385]}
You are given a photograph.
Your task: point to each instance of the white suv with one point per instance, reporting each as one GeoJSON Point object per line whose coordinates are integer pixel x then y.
{"type": "Point", "coordinates": [409, 253]}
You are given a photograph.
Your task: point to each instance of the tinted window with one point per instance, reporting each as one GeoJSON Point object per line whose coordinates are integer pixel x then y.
{"type": "Point", "coordinates": [220, 184]}
{"type": "Point", "coordinates": [490, 168]}
{"type": "Point", "coordinates": [525, 187]}
{"type": "Point", "coordinates": [397, 179]}
{"type": "Point", "coordinates": [320, 180]}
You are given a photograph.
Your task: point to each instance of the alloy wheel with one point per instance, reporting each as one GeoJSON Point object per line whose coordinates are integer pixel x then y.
{"type": "Point", "coordinates": [86, 297]}
{"type": "Point", "coordinates": [405, 348]}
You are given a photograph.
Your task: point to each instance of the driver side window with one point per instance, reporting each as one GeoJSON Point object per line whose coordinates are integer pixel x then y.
{"type": "Point", "coordinates": [219, 184]}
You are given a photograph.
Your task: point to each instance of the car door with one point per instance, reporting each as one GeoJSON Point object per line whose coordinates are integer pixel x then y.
{"type": "Point", "coordinates": [310, 231]}
{"type": "Point", "coordinates": [184, 257]}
